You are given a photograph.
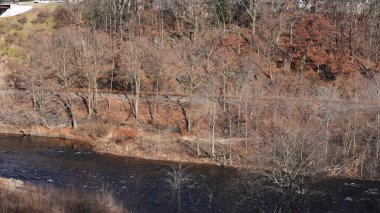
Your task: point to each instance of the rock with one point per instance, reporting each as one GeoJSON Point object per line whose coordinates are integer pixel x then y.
{"type": "Point", "coordinates": [348, 199]}
{"type": "Point", "coordinates": [19, 183]}
{"type": "Point", "coordinates": [11, 184]}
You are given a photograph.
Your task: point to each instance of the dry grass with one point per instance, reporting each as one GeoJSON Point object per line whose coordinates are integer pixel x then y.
{"type": "Point", "coordinates": [123, 135]}
{"type": "Point", "coordinates": [22, 29]}
{"type": "Point", "coordinates": [50, 200]}
{"type": "Point", "coordinates": [95, 130]}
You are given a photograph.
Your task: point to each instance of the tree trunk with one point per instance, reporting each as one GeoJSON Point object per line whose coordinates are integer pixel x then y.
{"type": "Point", "coordinates": [89, 103]}
{"type": "Point", "coordinates": [137, 92]}
{"type": "Point", "coordinates": [185, 117]}
{"type": "Point", "coordinates": [291, 31]}
{"type": "Point", "coordinates": [253, 27]}
{"type": "Point", "coordinates": [370, 46]}
{"type": "Point", "coordinates": [71, 114]}
{"type": "Point", "coordinates": [213, 129]}
{"type": "Point", "coordinates": [230, 135]}
{"type": "Point", "coordinates": [378, 136]}
{"type": "Point", "coordinates": [246, 124]}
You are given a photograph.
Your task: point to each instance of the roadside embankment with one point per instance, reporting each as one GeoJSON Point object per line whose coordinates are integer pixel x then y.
{"type": "Point", "coordinates": [16, 10]}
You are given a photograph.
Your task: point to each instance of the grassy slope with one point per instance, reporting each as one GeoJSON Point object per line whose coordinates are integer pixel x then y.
{"type": "Point", "coordinates": [16, 35]}
{"type": "Point", "coordinates": [16, 31]}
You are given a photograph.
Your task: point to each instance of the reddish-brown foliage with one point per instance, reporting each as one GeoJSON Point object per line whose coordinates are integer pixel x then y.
{"type": "Point", "coordinates": [122, 135]}
{"type": "Point", "coordinates": [318, 42]}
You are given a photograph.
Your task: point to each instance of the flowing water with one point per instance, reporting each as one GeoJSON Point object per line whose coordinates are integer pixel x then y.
{"type": "Point", "coordinates": [142, 186]}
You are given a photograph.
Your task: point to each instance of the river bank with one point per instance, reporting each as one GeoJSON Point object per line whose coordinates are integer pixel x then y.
{"type": "Point", "coordinates": [17, 196]}
{"type": "Point", "coordinates": [144, 185]}
{"type": "Point", "coordinates": [175, 148]}
{"type": "Point", "coordinates": [164, 146]}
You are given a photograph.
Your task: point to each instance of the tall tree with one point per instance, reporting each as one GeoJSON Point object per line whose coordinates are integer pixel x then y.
{"type": "Point", "coordinates": [60, 65]}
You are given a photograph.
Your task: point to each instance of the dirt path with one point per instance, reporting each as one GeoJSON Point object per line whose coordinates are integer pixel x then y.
{"type": "Point", "coordinates": [171, 97]}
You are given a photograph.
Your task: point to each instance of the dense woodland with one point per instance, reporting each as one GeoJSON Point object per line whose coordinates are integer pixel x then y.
{"type": "Point", "coordinates": [289, 91]}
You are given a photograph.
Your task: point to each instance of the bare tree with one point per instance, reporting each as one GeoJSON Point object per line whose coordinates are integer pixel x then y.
{"type": "Point", "coordinates": [292, 154]}
{"type": "Point", "coordinates": [177, 179]}
{"type": "Point", "coordinates": [134, 54]}
{"type": "Point", "coordinates": [94, 57]}
{"type": "Point", "coordinates": [193, 12]}
{"type": "Point", "coordinates": [211, 93]}
{"type": "Point", "coordinates": [251, 7]}
{"type": "Point", "coordinates": [120, 10]}
{"type": "Point", "coordinates": [61, 65]}
{"type": "Point", "coordinates": [190, 77]}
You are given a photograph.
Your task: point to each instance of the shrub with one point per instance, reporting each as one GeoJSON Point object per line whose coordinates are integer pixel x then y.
{"type": "Point", "coordinates": [98, 130]}
{"type": "Point", "coordinates": [123, 135]}
{"type": "Point", "coordinates": [48, 199]}
{"type": "Point", "coordinates": [42, 16]}
{"type": "Point", "coordinates": [22, 19]}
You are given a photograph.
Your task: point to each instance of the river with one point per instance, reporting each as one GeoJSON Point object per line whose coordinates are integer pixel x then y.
{"type": "Point", "coordinates": [142, 185]}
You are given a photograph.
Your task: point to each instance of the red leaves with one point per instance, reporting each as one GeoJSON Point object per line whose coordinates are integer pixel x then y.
{"type": "Point", "coordinates": [317, 38]}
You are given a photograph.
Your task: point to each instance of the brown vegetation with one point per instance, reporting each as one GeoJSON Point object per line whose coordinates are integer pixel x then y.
{"type": "Point", "coordinates": [232, 82]}
{"type": "Point", "coordinates": [47, 199]}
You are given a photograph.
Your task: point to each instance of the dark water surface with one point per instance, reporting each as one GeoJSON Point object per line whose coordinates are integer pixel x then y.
{"type": "Point", "coordinates": [141, 184]}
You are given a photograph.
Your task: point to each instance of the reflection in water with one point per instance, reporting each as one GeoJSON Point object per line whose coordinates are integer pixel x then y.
{"type": "Point", "coordinates": [142, 185]}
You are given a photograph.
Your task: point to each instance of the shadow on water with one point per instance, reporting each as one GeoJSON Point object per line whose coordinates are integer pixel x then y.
{"type": "Point", "coordinates": [158, 186]}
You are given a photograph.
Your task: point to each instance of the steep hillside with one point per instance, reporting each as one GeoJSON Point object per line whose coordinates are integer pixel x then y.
{"type": "Point", "coordinates": [250, 83]}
